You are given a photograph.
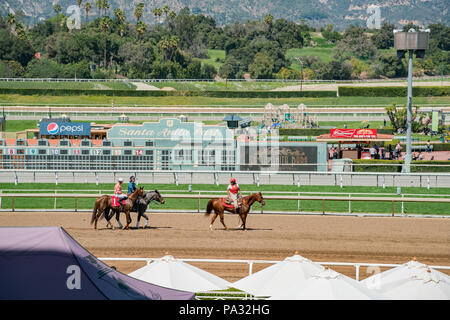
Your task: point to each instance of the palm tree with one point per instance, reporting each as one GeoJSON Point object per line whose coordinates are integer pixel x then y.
{"type": "Point", "coordinates": [79, 3]}
{"type": "Point", "coordinates": [157, 12]}
{"type": "Point", "coordinates": [57, 8]}
{"type": "Point", "coordinates": [20, 29]}
{"type": "Point", "coordinates": [172, 14]}
{"type": "Point", "coordinates": [87, 8]}
{"type": "Point", "coordinates": [141, 27]}
{"type": "Point", "coordinates": [166, 10]}
{"type": "Point", "coordinates": [105, 26]}
{"type": "Point", "coordinates": [139, 11]}
{"type": "Point", "coordinates": [268, 18]}
{"type": "Point", "coordinates": [105, 6]}
{"type": "Point", "coordinates": [98, 5]}
{"type": "Point", "coordinates": [11, 20]}
{"type": "Point", "coordinates": [120, 17]}
{"type": "Point", "coordinates": [169, 46]}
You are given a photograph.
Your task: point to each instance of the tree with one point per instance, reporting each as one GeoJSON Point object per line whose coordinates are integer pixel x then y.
{"type": "Point", "coordinates": [398, 118]}
{"type": "Point", "coordinates": [141, 27]}
{"type": "Point", "coordinates": [268, 19]}
{"type": "Point", "coordinates": [87, 8]}
{"type": "Point", "coordinates": [57, 8]}
{"type": "Point", "coordinates": [262, 66]}
{"type": "Point", "coordinates": [383, 38]}
{"type": "Point", "coordinates": [11, 20]}
{"type": "Point", "coordinates": [390, 66]}
{"type": "Point", "coordinates": [105, 26]}
{"type": "Point", "coordinates": [139, 11]}
{"type": "Point", "coordinates": [157, 12]}
{"type": "Point", "coordinates": [168, 46]}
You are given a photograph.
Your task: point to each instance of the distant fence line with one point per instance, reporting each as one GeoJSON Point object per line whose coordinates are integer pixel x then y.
{"type": "Point", "coordinates": [176, 177]}
{"type": "Point", "coordinates": [435, 78]}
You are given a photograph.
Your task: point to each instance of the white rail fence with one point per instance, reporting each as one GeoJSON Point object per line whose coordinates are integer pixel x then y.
{"type": "Point", "coordinates": [199, 197]}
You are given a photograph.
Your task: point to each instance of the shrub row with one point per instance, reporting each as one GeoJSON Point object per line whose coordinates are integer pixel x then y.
{"type": "Point", "coordinates": [363, 165]}
{"type": "Point", "coordinates": [161, 93]}
{"type": "Point", "coordinates": [394, 91]}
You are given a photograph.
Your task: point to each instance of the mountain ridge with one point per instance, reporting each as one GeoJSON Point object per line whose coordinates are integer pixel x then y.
{"type": "Point", "coordinates": [340, 13]}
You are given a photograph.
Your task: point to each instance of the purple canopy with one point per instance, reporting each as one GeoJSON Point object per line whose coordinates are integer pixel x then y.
{"type": "Point", "coordinates": [47, 263]}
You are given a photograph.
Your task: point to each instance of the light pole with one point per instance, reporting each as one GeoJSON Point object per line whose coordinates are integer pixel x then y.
{"type": "Point", "coordinates": [300, 62]}
{"type": "Point", "coordinates": [411, 41]}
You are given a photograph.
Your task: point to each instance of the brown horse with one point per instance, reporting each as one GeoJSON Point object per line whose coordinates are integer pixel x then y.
{"type": "Point", "coordinates": [219, 208]}
{"type": "Point", "coordinates": [103, 205]}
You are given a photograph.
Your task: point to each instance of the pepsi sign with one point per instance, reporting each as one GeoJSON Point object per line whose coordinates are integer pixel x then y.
{"type": "Point", "coordinates": [58, 128]}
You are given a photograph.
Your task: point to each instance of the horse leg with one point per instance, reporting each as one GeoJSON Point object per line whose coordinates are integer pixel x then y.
{"type": "Point", "coordinates": [118, 220]}
{"type": "Point", "coordinates": [244, 218]}
{"type": "Point", "coordinates": [128, 218]}
{"type": "Point", "coordinates": [213, 218]}
{"type": "Point", "coordinates": [146, 220]}
{"type": "Point", "coordinates": [108, 217]}
{"type": "Point", "coordinates": [222, 220]}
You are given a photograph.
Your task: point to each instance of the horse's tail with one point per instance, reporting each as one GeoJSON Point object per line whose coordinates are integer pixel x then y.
{"type": "Point", "coordinates": [209, 207]}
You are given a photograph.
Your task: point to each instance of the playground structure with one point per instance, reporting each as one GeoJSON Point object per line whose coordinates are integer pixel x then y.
{"type": "Point", "coordinates": [285, 117]}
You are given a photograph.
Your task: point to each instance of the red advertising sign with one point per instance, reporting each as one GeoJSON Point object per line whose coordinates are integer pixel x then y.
{"type": "Point", "coordinates": [354, 133]}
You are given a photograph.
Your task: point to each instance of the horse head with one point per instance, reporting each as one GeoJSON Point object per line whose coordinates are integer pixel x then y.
{"type": "Point", "coordinates": [260, 198]}
{"type": "Point", "coordinates": [158, 197]}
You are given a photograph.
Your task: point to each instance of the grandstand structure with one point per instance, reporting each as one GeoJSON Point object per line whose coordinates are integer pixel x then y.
{"type": "Point", "coordinates": [170, 144]}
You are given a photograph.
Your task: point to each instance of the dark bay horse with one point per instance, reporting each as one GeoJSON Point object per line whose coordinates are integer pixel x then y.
{"type": "Point", "coordinates": [103, 206]}
{"type": "Point", "coordinates": [144, 202]}
{"type": "Point", "coordinates": [219, 208]}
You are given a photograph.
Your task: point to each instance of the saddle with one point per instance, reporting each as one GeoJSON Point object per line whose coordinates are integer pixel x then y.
{"type": "Point", "coordinates": [116, 202]}
{"type": "Point", "coordinates": [227, 202]}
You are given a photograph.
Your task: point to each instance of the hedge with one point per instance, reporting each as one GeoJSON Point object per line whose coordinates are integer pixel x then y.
{"type": "Point", "coordinates": [161, 93]}
{"type": "Point", "coordinates": [437, 166]}
{"type": "Point", "coordinates": [393, 91]}
{"type": "Point", "coordinates": [303, 132]}
{"type": "Point", "coordinates": [396, 166]}
{"type": "Point", "coordinates": [382, 165]}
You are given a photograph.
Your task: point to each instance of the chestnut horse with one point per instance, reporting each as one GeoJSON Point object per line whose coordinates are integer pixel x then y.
{"type": "Point", "coordinates": [103, 205]}
{"type": "Point", "coordinates": [219, 208]}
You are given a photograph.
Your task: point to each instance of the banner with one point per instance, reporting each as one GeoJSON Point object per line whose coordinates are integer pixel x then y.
{"type": "Point", "coordinates": [354, 133]}
{"type": "Point", "coordinates": [58, 128]}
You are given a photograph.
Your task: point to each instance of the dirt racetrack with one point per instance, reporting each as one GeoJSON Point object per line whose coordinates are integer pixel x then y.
{"type": "Point", "coordinates": [269, 237]}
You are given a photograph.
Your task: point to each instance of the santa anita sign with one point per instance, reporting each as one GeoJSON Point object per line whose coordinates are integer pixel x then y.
{"type": "Point", "coordinates": [185, 145]}
{"type": "Point", "coordinates": [168, 132]}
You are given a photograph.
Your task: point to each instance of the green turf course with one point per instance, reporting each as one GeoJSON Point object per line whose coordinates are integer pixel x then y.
{"type": "Point", "coordinates": [79, 101]}
{"type": "Point", "coordinates": [271, 205]}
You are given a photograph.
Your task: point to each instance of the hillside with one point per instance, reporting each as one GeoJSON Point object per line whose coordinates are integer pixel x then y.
{"type": "Point", "coordinates": [340, 13]}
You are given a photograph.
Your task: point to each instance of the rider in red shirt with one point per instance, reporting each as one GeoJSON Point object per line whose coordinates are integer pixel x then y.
{"type": "Point", "coordinates": [234, 193]}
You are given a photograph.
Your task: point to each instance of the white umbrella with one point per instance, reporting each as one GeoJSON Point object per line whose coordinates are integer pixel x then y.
{"type": "Point", "coordinates": [176, 274]}
{"type": "Point", "coordinates": [403, 272]}
{"type": "Point", "coordinates": [329, 285]}
{"type": "Point", "coordinates": [411, 281]}
{"type": "Point", "coordinates": [291, 272]}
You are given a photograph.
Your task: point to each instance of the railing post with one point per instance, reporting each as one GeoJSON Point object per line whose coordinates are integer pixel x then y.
{"type": "Point", "coordinates": [54, 202]}
{"type": "Point", "coordinates": [357, 272]}
{"type": "Point", "coordinates": [250, 268]}
{"type": "Point", "coordinates": [349, 204]}
{"type": "Point", "coordinates": [198, 202]}
{"type": "Point", "coordinates": [323, 206]}
{"type": "Point", "coordinates": [76, 204]}
{"type": "Point", "coordinates": [13, 204]}
{"type": "Point", "coordinates": [392, 207]}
